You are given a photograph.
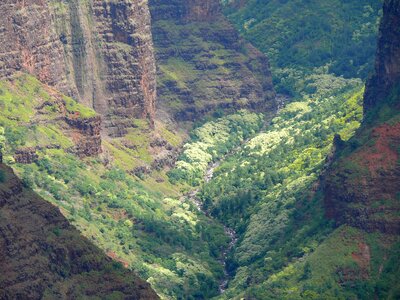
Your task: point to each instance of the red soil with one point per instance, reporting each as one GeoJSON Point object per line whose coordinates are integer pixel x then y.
{"type": "Point", "coordinates": [383, 154]}
{"type": "Point", "coordinates": [363, 259]}
{"type": "Point", "coordinates": [114, 256]}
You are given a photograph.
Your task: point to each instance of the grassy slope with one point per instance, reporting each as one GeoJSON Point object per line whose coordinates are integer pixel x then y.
{"type": "Point", "coordinates": [262, 191]}
{"type": "Point", "coordinates": [352, 263]}
{"type": "Point", "coordinates": [140, 222]}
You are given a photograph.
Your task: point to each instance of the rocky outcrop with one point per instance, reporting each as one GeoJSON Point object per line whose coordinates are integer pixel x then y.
{"type": "Point", "coordinates": [98, 51]}
{"type": "Point", "coordinates": [43, 256]}
{"type": "Point", "coordinates": [26, 155]}
{"type": "Point", "coordinates": [85, 134]}
{"type": "Point", "coordinates": [387, 64]}
{"type": "Point", "coordinates": [362, 185]}
{"type": "Point", "coordinates": [204, 66]}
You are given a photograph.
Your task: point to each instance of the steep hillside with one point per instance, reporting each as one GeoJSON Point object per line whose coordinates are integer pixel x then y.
{"type": "Point", "coordinates": [301, 35]}
{"type": "Point", "coordinates": [314, 227]}
{"type": "Point", "coordinates": [99, 52]}
{"type": "Point", "coordinates": [44, 257]}
{"type": "Point", "coordinates": [203, 65]}
{"type": "Point", "coordinates": [131, 212]}
{"type": "Point", "coordinates": [367, 169]}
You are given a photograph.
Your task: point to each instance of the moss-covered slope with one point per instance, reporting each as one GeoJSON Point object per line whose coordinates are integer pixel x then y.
{"type": "Point", "coordinates": [203, 64]}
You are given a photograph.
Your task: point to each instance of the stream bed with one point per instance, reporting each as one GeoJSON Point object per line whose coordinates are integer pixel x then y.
{"type": "Point", "coordinates": [192, 197]}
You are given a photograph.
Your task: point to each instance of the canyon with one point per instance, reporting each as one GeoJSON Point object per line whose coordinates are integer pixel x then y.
{"type": "Point", "coordinates": [148, 155]}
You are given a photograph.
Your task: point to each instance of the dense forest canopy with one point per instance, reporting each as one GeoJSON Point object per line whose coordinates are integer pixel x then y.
{"type": "Point", "coordinates": [299, 36]}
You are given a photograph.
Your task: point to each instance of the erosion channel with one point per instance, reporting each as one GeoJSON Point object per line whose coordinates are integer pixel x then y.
{"type": "Point", "coordinates": [192, 196]}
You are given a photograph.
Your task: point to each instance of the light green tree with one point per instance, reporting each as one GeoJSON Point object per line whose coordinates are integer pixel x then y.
{"type": "Point", "coordinates": [2, 143]}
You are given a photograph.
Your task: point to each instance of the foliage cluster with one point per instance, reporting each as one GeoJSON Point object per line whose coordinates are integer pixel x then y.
{"type": "Point", "coordinates": [211, 141]}
{"type": "Point", "coordinates": [166, 240]}
{"type": "Point", "coordinates": [263, 191]}
{"type": "Point", "coordinates": [299, 36]}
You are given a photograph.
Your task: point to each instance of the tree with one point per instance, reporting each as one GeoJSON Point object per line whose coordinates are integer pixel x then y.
{"type": "Point", "coordinates": [2, 143]}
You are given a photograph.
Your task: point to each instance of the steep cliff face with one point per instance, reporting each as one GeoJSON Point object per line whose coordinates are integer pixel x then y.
{"type": "Point", "coordinates": [29, 42]}
{"type": "Point", "coordinates": [204, 65]}
{"type": "Point", "coordinates": [197, 10]}
{"type": "Point", "coordinates": [363, 184]}
{"type": "Point", "coordinates": [43, 256]}
{"type": "Point", "coordinates": [387, 64]}
{"type": "Point", "coordinates": [100, 52]}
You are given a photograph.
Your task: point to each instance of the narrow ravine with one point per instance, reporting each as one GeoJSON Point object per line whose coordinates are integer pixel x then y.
{"type": "Point", "coordinates": [192, 197]}
{"type": "Point", "coordinates": [228, 231]}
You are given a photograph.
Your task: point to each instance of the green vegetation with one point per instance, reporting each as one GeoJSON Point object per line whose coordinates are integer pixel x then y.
{"type": "Point", "coordinates": [212, 141]}
{"type": "Point", "coordinates": [203, 67]}
{"type": "Point", "coordinates": [20, 100]}
{"type": "Point", "coordinates": [267, 186]}
{"type": "Point", "coordinates": [337, 270]}
{"type": "Point", "coordinates": [2, 144]}
{"type": "Point", "coordinates": [137, 222]}
{"type": "Point", "coordinates": [299, 36]}
{"type": "Point", "coordinates": [265, 190]}
{"type": "Point", "coordinates": [165, 240]}
{"type": "Point", "coordinates": [2, 139]}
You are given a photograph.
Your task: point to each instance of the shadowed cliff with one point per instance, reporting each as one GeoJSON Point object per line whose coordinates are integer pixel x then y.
{"type": "Point", "coordinates": [44, 257]}
{"type": "Point", "coordinates": [203, 64]}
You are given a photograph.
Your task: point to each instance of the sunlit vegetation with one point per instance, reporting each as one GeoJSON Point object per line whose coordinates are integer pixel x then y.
{"type": "Point", "coordinates": [267, 190]}
{"type": "Point", "coordinates": [268, 185]}
{"type": "Point", "coordinates": [211, 142]}
{"type": "Point", "coordinates": [166, 240]}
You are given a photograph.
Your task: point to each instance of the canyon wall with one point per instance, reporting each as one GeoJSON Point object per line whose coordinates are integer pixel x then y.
{"type": "Point", "coordinates": [203, 64]}
{"type": "Point", "coordinates": [99, 52]}
{"type": "Point", "coordinates": [43, 256]}
{"type": "Point", "coordinates": [387, 64]}
{"type": "Point", "coordinates": [363, 183]}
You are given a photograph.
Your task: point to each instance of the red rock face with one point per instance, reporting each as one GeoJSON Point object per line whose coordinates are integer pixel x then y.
{"type": "Point", "coordinates": [99, 52]}
{"type": "Point", "coordinates": [363, 184]}
{"type": "Point", "coordinates": [362, 187]}
{"type": "Point", "coordinates": [29, 42]}
{"type": "Point", "coordinates": [86, 135]}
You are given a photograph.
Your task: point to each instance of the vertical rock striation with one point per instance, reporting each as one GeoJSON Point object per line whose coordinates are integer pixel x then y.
{"type": "Point", "coordinates": [204, 66]}
{"type": "Point", "coordinates": [98, 51]}
{"type": "Point", "coordinates": [387, 63]}
{"type": "Point", "coordinates": [29, 42]}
